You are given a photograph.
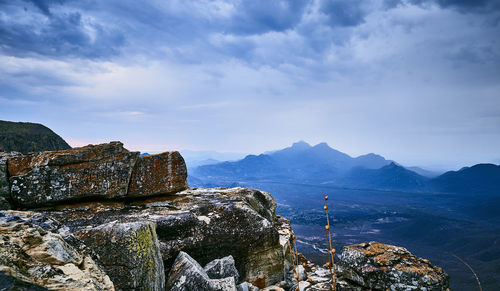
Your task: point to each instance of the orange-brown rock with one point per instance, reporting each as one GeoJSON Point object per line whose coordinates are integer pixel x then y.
{"type": "Point", "coordinates": [377, 266]}
{"type": "Point", "coordinates": [52, 177]}
{"type": "Point", "coordinates": [158, 174]}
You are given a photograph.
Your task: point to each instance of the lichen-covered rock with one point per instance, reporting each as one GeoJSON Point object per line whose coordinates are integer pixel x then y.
{"type": "Point", "coordinates": [158, 174]}
{"type": "Point", "coordinates": [30, 253]}
{"type": "Point", "coordinates": [4, 180]}
{"type": "Point", "coordinates": [206, 223]}
{"type": "Point", "coordinates": [222, 268]}
{"type": "Point", "coordinates": [186, 274]}
{"type": "Point", "coordinates": [129, 252]}
{"type": "Point", "coordinates": [378, 266]}
{"type": "Point", "coordinates": [52, 177]}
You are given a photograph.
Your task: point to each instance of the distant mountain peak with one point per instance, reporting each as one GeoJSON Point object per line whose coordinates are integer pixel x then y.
{"type": "Point", "coordinates": [322, 145]}
{"type": "Point", "coordinates": [301, 145]}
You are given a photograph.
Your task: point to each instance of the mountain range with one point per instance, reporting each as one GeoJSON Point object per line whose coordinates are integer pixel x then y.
{"type": "Point", "coordinates": [321, 164]}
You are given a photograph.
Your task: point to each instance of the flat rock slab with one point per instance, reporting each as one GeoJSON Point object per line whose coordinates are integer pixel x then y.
{"type": "Point", "coordinates": [158, 174]}
{"type": "Point", "coordinates": [53, 177]}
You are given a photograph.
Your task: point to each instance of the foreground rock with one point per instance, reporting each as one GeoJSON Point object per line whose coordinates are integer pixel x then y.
{"type": "Point", "coordinates": [32, 257]}
{"type": "Point", "coordinates": [87, 172]}
{"type": "Point", "coordinates": [186, 274]}
{"type": "Point", "coordinates": [222, 268]}
{"type": "Point", "coordinates": [206, 223]}
{"type": "Point", "coordinates": [129, 253]}
{"type": "Point", "coordinates": [377, 266]}
{"type": "Point", "coordinates": [105, 171]}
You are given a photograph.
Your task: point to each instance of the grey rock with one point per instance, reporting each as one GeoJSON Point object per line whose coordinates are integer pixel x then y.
{"type": "Point", "coordinates": [379, 266]}
{"type": "Point", "coordinates": [222, 268]}
{"type": "Point", "coordinates": [10, 283]}
{"type": "Point", "coordinates": [129, 252]}
{"type": "Point", "coordinates": [186, 274]}
{"type": "Point", "coordinates": [245, 286]}
{"type": "Point", "coordinates": [37, 257]}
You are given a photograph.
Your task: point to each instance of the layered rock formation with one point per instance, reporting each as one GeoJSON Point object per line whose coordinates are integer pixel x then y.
{"type": "Point", "coordinates": [103, 217]}
{"type": "Point", "coordinates": [105, 171]}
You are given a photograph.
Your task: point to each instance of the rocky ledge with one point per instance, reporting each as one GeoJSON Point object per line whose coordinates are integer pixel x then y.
{"type": "Point", "coordinates": [104, 218]}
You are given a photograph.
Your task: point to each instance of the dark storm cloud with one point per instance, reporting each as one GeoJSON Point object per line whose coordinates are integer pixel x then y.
{"type": "Point", "coordinates": [344, 12]}
{"type": "Point", "coordinates": [62, 34]}
{"type": "Point", "coordinates": [260, 16]}
{"type": "Point", "coordinates": [464, 6]}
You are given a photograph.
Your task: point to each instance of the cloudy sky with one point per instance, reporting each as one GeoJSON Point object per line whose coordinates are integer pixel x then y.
{"type": "Point", "coordinates": [417, 81]}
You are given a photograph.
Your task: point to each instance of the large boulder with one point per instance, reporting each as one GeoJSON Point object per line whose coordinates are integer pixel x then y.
{"type": "Point", "coordinates": [52, 177]}
{"type": "Point", "coordinates": [129, 252]}
{"type": "Point", "coordinates": [158, 174]}
{"type": "Point", "coordinates": [378, 266]}
{"type": "Point", "coordinates": [34, 258]}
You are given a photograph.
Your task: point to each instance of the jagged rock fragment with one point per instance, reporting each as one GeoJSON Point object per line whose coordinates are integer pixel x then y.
{"type": "Point", "coordinates": [186, 274]}
{"type": "Point", "coordinates": [222, 268]}
{"type": "Point", "coordinates": [41, 258]}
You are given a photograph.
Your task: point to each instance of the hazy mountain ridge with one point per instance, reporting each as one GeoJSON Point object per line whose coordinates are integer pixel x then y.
{"type": "Point", "coordinates": [321, 164]}
{"type": "Point", "coordinates": [28, 137]}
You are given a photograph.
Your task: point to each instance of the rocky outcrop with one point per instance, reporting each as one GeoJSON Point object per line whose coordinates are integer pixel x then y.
{"type": "Point", "coordinates": [377, 266]}
{"type": "Point", "coordinates": [206, 223]}
{"type": "Point", "coordinates": [106, 171]}
{"type": "Point", "coordinates": [32, 257]}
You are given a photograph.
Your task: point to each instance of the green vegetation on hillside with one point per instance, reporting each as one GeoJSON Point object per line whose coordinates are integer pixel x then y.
{"type": "Point", "coordinates": [28, 137]}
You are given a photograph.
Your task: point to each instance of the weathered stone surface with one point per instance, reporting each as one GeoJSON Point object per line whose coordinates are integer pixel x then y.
{"type": "Point", "coordinates": [9, 283]}
{"type": "Point", "coordinates": [129, 252]}
{"type": "Point", "coordinates": [245, 286]}
{"type": "Point", "coordinates": [52, 177]}
{"type": "Point", "coordinates": [186, 274]}
{"type": "Point", "coordinates": [206, 223]}
{"type": "Point", "coordinates": [222, 268]}
{"type": "Point", "coordinates": [30, 253]}
{"type": "Point", "coordinates": [158, 174]}
{"type": "Point", "coordinates": [379, 266]}
{"type": "Point", "coordinates": [4, 180]}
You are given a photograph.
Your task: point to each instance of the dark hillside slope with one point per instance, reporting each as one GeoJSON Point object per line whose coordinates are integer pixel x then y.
{"type": "Point", "coordinates": [28, 137]}
{"type": "Point", "coordinates": [478, 179]}
{"type": "Point", "coordinates": [391, 176]}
